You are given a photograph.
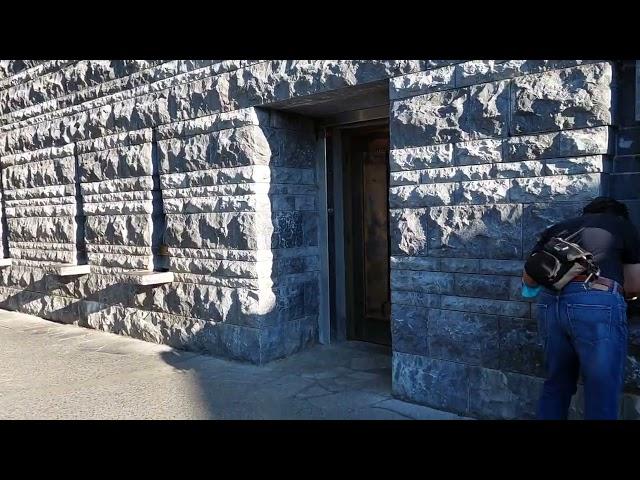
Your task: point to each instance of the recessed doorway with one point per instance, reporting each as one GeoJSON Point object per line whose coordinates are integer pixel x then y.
{"type": "Point", "coordinates": [358, 231]}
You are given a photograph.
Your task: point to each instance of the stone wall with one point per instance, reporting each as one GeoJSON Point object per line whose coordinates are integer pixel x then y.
{"type": "Point", "coordinates": [135, 165]}
{"type": "Point", "coordinates": [482, 161]}
{"type": "Point", "coordinates": [624, 185]}
{"type": "Point", "coordinates": [148, 164]}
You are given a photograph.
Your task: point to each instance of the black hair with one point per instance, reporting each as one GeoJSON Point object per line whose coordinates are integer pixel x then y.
{"type": "Point", "coordinates": [606, 205]}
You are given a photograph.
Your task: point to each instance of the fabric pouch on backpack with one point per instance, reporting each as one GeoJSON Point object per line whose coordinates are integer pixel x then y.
{"type": "Point", "coordinates": [559, 262]}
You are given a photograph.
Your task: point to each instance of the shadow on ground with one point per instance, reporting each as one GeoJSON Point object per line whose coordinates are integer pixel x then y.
{"type": "Point", "coordinates": [56, 371]}
{"type": "Point", "coordinates": [344, 381]}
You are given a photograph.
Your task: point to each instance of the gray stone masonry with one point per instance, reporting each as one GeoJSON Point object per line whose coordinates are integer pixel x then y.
{"type": "Point", "coordinates": [182, 165]}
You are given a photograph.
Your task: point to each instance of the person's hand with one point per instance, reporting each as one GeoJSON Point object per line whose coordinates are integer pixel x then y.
{"type": "Point", "coordinates": [530, 292]}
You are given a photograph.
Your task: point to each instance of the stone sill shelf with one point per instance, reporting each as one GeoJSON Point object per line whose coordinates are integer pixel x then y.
{"type": "Point", "coordinates": [68, 270]}
{"type": "Point", "coordinates": [5, 262]}
{"type": "Point", "coordinates": [146, 277]}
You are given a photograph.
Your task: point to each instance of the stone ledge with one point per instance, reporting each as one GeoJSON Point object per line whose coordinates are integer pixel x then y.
{"type": "Point", "coordinates": [143, 277]}
{"type": "Point", "coordinates": [67, 270]}
{"type": "Point", "coordinates": [5, 262]}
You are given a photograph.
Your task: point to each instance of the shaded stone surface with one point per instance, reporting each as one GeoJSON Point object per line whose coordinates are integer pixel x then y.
{"type": "Point", "coordinates": [520, 346]}
{"type": "Point", "coordinates": [431, 382]}
{"type": "Point", "coordinates": [409, 329]}
{"type": "Point", "coordinates": [496, 394]}
{"type": "Point", "coordinates": [483, 305]}
{"type": "Point", "coordinates": [539, 216]}
{"type": "Point", "coordinates": [483, 286]}
{"type": "Point", "coordinates": [421, 281]}
{"type": "Point", "coordinates": [470, 338]}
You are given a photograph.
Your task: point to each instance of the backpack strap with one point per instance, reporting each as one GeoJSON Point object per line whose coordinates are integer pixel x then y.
{"type": "Point", "coordinates": [573, 235]}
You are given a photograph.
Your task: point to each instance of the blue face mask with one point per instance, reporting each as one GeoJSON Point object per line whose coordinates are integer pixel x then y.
{"type": "Point", "coordinates": [530, 292]}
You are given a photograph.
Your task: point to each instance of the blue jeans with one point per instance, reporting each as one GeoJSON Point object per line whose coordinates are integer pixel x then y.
{"type": "Point", "coordinates": [582, 330]}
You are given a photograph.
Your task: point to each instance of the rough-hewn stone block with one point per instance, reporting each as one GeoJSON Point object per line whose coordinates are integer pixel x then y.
{"type": "Point", "coordinates": [422, 281]}
{"type": "Point", "coordinates": [487, 110]}
{"type": "Point", "coordinates": [421, 157]}
{"type": "Point", "coordinates": [480, 71]}
{"type": "Point", "coordinates": [484, 305]}
{"type": "Point", "coordinates": [219, 230]}
{"type": "Point", "coordinates": [408, 230]}
{"type": "Point", "coordinates": [428, 119]}
{"type": "Point", "coordinates": [565, 143]}
{"type": "Point", "coordinates": [287, 338]}
{"type": "Point", "coordinates": [416, 196]}
{"type": "Point", "coordinates": [470, 338]}
{"type": "Point", "coordinates": [42, 229]}
{"type": "Point", "coordinates": [59, 171]}
{"type": "Point", "coordinates": [482, 286]}
{"type": "Point", "coordinates": [415, 263]}
{"type": "Point", "coordinates": [625, 185]}
{"type": "Point", "coordinates": [466, 265]}
{"type": "Point", "coordinates": [415, 299]}
{"type": "Point", "coordinates": [457, 115]}
{"type": "Point", "coordinates": [478, 152]}
{"type": "Point", "coordinates": [520, 349]}
{"type": "Point", "coordinates": [119, 229]}
{"type": "Point", "coordinates": [436, 383]}
{"type": "Point", "coordinates": [122, 162]}
{"type": "Point", "coordinates": [534, 168]}
{"type": "Point", "coordinates": [630, 407]}
{"type": "Point", "coordinates": [501, 267]}
{"type": "Point", "coordinates": [409, 327]}
{"type": "Point", "coordinates": [482, 192]}
{"type": "Point", "coordinates": [226, 148]}
{"type": "Point", "coordinates": [496, 394]}
{"type": "Point", "coordinates": [556, 188]}
{"type": "Point", "coordinates": [539, 216]}
{"type": "Point", "coordinates": [463, 231]}
{"type": "Point", "coordinates": [421, 82]}
{"type": "Point", "coordinates": [456, 174]}
{"type": "Point", "coordinates": [576, 165]}
{"type": "Point", "coordinates": [632, 373]}
{"type": "Point", "coordinates": [561, 99]}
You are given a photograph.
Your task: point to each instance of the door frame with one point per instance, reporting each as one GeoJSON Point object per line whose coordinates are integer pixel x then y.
{"type": "Point", "coordinates": [335, 246]}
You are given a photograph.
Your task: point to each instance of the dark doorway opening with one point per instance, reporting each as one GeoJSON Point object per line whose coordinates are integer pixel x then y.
{"type": "Point", "coordinates": [364, 212]}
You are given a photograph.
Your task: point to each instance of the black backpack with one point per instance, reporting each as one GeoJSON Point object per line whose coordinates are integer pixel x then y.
{"type": "Point", "coordinates": [559, 262]}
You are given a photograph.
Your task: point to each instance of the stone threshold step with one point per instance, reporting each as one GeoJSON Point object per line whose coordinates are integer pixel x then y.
{"type": "Point", "coordinates": [145, 277]}
{"type": "Point", "coordinates": [5, 262]}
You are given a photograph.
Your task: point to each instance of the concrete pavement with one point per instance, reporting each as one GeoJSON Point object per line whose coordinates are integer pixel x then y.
{"type": "Point", "coordinates": [54, 371]}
